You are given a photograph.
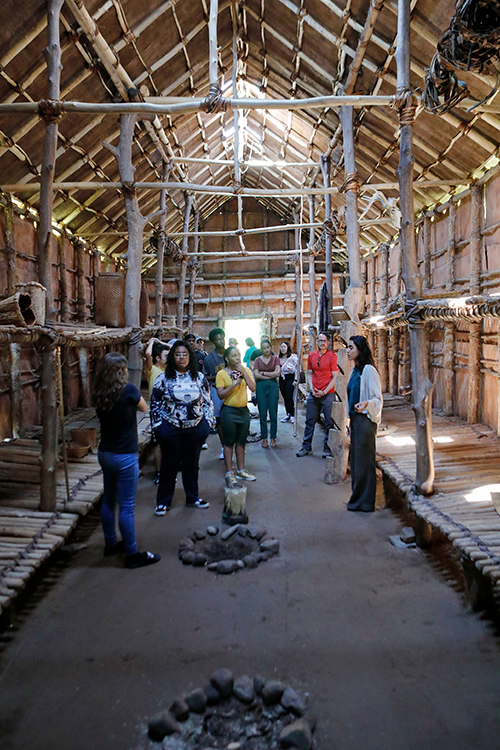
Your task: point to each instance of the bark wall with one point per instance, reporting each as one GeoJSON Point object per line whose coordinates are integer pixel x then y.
{"type": "Point", "coordinates": [19, 264]}
{"type": "Point", "coordinates": [457, 259]}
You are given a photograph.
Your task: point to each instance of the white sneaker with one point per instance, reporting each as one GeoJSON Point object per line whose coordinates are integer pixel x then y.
{"type": "Point", "coordinates": [221, 455]}
{"type": "Point", "coordinates": [204, 447]}
{"type": "Point", "coordinates": [286, 419]}
{"type": "Point", "coordinates": [244, 474]}
{"type": "Point", "coordinates": [292, 420]}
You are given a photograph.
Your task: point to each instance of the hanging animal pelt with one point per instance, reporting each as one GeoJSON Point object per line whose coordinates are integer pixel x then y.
{"type": "Point", "coordinates": [323, 308]}
{"type": "Point", "coordinates": [172, 249]}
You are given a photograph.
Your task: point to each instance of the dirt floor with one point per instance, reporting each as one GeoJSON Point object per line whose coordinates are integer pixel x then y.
{"type": "Point", "coordinates": [379, 637]}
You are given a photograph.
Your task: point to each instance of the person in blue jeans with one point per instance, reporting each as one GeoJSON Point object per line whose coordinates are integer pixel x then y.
{"type": "Point", "coordinates": [117, 402]}
{"type": "Point", "coordinates": [322, 372]}
{"type": "Point", "coordinates": [266, 371]}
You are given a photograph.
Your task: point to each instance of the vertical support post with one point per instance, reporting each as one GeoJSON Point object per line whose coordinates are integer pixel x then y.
{"type": "Point", "coordinates": [194, 272]}
{"type": "Point", "coordinates": [449, 367]}
{"type": "Point", "coordinates": [48, 456]}
{"type": "Point", "coordinates": [396, 356]}
{"type": "Point", "coordinates": [325, 169]}
{"type": "Point", "coordinates": [312, 275]}
{"type": "Point", "coordinates": [160, 258]}
{"type": "Point", "coordinates": [451, 249]}
{"type": "Point", "coordinates": [476, 243]}
{"type": "Point", "coordinates": [63, 362]}
{"type": "Point", "coordinates": [82, 317]}
{"type": "Point", "coordinates": [422, 386]}
{"type": "Point", "coordinates": [426, 229]}
{"type": "Point", "coordinates": [184, 260]}
{"type": "Point", "coordinates": [382, 335]}
{"type": "Point", "coordinates": [15, 385]}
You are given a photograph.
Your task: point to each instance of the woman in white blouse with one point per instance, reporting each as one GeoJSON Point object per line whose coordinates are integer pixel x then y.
{"type": "Point", "coordinates": [288, 379]}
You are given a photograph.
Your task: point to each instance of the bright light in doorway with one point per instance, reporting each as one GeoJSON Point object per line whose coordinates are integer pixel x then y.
{"type": "Point", "coordinates": [241, 329]}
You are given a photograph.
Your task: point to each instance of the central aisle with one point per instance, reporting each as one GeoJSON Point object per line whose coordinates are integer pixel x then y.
{"type": "Point", "coordinates": [382, 643]}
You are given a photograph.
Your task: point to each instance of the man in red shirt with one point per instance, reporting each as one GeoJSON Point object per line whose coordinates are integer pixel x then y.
{"type": "Point", "coordinates": [322, 372]}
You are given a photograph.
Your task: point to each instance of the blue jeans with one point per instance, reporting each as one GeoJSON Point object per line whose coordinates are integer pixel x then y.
{"type": "Point", "coordinates": [120, 473]}
{"type": "Point", "coordinates": [314, 406]}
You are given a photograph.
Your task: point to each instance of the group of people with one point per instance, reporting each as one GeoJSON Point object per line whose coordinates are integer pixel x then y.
{"type": "Point", "coordinates": [193, 393]}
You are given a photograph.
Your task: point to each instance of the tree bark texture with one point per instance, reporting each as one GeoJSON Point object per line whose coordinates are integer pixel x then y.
{"type": "Point", "coordinates": [325, 168]}
{"type": "Point", "coordinates": [184, 262]}
{"type": "Point", "coordinates": [160, 258]}
{"type": "Point", "coordinates": [396, 343]}
{"type": "Point", "coordinates": [474, 373]}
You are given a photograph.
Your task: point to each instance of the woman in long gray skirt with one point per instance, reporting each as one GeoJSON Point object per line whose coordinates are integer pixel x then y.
{"type": "Point", "coordinates": [364, 395]}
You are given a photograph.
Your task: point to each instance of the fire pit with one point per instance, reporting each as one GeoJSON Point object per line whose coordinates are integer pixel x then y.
{"type": "Point", "coordinates": [235, 548]}
{"type": "Point", "coordinates": [241, 714]}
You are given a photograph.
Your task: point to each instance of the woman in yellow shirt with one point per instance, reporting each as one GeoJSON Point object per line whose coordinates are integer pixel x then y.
{"type": "Point", "coordinates": [231, 383]}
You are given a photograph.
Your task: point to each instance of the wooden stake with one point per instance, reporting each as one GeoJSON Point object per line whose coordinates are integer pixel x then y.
{"type": "Point", "coordinates": [312, 273]}
{"type": "Point", "coordinates": [194, 273]}
{"type": "Point", "coordinates": [449, 368]}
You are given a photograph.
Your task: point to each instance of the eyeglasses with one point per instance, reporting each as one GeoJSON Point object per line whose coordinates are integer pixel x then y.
{"type": "Point", "coordinates": [181, 354]}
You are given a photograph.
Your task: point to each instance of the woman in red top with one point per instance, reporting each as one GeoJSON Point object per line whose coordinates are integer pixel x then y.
{"type": "Point", "coordinates": [266, 372]}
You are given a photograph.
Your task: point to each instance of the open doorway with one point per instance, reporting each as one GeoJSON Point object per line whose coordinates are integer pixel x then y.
{"type": "Point", "coordinates": [241, 329]}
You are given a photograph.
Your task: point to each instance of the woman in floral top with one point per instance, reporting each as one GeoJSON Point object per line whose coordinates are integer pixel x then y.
{"type": "Point", "coordinates": [181, 416]}
{"type": "Point", "coordinates": [288, 379]}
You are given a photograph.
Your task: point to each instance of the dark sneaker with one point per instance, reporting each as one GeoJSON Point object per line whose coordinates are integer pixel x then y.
{"type": "Point", "coordinates": [161, 510]}
{"type": "Point", "coordinates": [326, 453]}
{"type": "Point", "coordinates": [141, 559]}
{"type": "Point", "coordinates": [114, 549]}
{"type": "Point", "coordinates": [303, 452]}
{"type": "Point", "coordinates": [199, 504]}
{"type": "Point", "coordinates": [156, 480]}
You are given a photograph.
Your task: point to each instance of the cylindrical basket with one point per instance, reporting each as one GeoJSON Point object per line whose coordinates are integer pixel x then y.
{"type": "Point", "coordinates": [110, 300]}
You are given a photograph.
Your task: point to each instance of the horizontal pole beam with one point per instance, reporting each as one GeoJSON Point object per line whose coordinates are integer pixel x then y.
{"type": "Point", "coordinates": [154, 105]}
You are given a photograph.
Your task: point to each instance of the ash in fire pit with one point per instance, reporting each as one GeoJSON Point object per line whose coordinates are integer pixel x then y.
{"type": "Point", "coordinates": [242, 714]}
{"type": "Point", "coordinates": [235, 548]}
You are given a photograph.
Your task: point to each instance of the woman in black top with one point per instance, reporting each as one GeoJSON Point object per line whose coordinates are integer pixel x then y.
{"type": "Point", "coordinates": [117, 403]}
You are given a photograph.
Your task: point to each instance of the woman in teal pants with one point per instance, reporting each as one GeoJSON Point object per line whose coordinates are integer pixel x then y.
{"type": "Point", "coordinates": [266, 372]}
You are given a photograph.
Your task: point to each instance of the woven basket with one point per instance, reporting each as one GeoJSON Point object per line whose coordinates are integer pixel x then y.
{"type": "Point", "coordinates": [84, 436]}
{"type": "Point", "coordinates": [110, 300]}
{"type": "Point", "coordinates": [38, 295]}
{"type": "Point", "coordinates": [24, 308]}
{"type": "Point", "coordinates": [76, 451]}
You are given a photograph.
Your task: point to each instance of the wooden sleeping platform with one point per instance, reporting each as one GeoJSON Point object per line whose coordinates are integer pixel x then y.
{"type": "Point", "coordinates": [467, 490]}
{"type": "Point", "coordinates": [27, 536]}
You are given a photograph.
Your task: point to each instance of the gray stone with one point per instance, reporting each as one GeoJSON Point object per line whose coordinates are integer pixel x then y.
{"type": "Point", "coordinates": [173, 743]}
{"type": "Point", "coordinates": [396, 542]}
{"type": "Point", "coordinates": [251, 532]}
{"type": "Point", "coordinates": [225, 567]}
{"type": "Point", "coordinates": [223, 681]}
{"type": "Point", "coordinates": [272, 692]}
{"type": "Point", "coordinates": [228, 533]}
{"type": "Point", "coordinates": [162, 724]}
{"type": "Point", "coordinates": [234, 746]}
{"type": "Point", "coordinates": [188, 558]}
{"type": "Point", "coordinates": [186, 544]}
{"type": "Point", "coordinates": [292, 701]}
{"type": "Point", "coordinates": [212, 566]}
{"type": "Point", "coordinates": [213, 695]}
{"type": "Point", "coordinates": [199, 534]}
{"type": "Point", "coordinates": [270, 545]}
{"type": "Point", "coordinates": [212, 530]}
{"type": "Point", "coordinates": [260, 534]}
{"type": "Point", "coordinates": [241, 564]}
{"type": "Point", "coordinates": [242, 530]}
{"type": "Point", "coordinates": [197, 701]}
{"type": "Point", "coordinates": [250, 561]}
{"type": "Point", "coordinates": [407, 535]}
{"type": "Point", "coordinates": [179, 709]}
{"type": "Point", "coordinates": [200, 560]}
{"type": "Point", "coordinates": [258, 684]}
{"type": "Point", "coordinates": [261, 556]}
{"type": "Point", "coordinates": [267, 537]}
{"type": "Point", "coordinates": [297, 735]}
{"type": "Point", "coordinates": [243, 689]}
{"type": "Point", "coordinates": [266, 555]}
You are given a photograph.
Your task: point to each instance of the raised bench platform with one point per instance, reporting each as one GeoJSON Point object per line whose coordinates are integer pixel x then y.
{"type": "Point", "coordinates": [29, 537]}
{"type": "Point", "coordinates": [467, 460]}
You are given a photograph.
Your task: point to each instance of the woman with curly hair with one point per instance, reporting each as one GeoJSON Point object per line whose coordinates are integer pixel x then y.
{"type": "Point", "coordinates": [181, 416]}
{"type": "Point", "coordinates": [364, 395]}
{"type": "Point", "coordinates": [117, 402]}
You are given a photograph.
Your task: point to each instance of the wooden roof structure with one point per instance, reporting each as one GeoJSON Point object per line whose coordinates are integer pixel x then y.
{"type": "Point", "coordinates": [127, 50]}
